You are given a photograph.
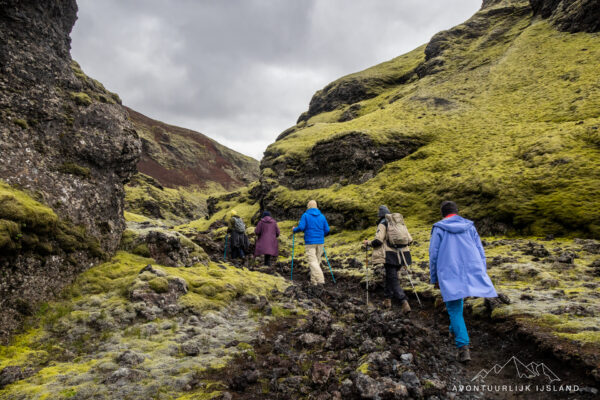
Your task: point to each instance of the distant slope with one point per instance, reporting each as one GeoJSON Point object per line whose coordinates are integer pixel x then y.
{"type": "Point", "coordinates": [500, 113]}
{"type": "Point", "coordinates": [178, 157]}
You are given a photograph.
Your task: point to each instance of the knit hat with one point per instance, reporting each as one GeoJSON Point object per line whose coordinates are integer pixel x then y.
{"type": "Point", "coordinates": [383, 210]}
{"type": "Point", "coordinates": [448, 207]}
{"type": "Point", "coordinates": [265, 214]}
{"type": "Point", "coordinates": [312, 204]}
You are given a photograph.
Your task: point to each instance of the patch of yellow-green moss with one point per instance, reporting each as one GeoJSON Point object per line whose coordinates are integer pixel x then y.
{"type": "Point", "coordinates": [21, 123]}
{"type": "Point", "coordinates": [26, 223]}
{"type": "Point", "coordinates": [74, 169]}
{"type": "Point", "coordinates": [81, 98]}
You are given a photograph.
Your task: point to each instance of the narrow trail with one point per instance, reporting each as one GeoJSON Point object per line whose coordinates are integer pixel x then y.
{"type": "Point", "coordinates": [342, 349]}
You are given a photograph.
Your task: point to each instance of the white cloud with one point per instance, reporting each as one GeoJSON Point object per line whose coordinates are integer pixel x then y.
{"type": "Point", "coordinates": [242, 71]}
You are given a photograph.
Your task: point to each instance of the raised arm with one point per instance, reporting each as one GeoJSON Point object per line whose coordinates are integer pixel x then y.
{"type": "Point", "coordinates": [302, 225]}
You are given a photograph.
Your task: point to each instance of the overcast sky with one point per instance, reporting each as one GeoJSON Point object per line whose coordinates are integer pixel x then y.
{"type": "Point", "coordinates": [242, 71]}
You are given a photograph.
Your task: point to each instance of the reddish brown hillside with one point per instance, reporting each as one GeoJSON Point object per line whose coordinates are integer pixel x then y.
{"type": "Point", "coordinates": [181, 157]}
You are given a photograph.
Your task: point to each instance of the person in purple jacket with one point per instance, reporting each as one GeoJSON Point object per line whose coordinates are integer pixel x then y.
{"type": "Point", "coordinates": [267, 233]}
{"type": "Point", "coordinates": [457, 267]}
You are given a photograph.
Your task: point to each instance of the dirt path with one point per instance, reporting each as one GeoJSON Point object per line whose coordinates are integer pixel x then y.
{"type": "Point", "coordinates": [343, 350]}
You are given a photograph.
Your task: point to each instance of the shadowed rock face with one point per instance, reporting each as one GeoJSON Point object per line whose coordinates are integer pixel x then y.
{"type": "Point", "coordinates": [568, 15]}
{"type": "Point", "coordinates": [350, 158]}
{"type": "Point", "coordinates": [63, 139]}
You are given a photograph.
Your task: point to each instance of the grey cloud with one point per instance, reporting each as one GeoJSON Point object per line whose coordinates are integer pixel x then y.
{"type": "Point", "coordinates": [241, 71]}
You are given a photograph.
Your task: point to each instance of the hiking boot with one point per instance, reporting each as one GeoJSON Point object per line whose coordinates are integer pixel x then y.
{"type": "Point", "coordinates": [464, 354]}
{"type": "Point", "coordinates": [387, 303]}
{"type": "Point", "coordinates": [405, 307]}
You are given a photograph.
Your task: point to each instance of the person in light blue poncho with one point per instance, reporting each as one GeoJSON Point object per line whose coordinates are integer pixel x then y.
{"type": "Point", "coordinates": [458, 267]}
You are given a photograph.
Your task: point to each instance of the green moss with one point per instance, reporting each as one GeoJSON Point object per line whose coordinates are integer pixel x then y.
{"type": "Point", "coordinates": [159, 285]}
{"type": "Point", "coordinates": [28, 224]}
{"type": "Point", "coordinates": [363, 368]}
{"type": "Point", "coordinates": [145, 199]}
{"type": "Point", "coordinates": [512, 143]}
{"type": "Point", "coordinates": [22, 123]}
{"type": "Point", "coordinates": [74, 169]}
{"type": "Point", "coordinates": [142, 250]}
{"type": "Point", "coordinates": [81, 98]}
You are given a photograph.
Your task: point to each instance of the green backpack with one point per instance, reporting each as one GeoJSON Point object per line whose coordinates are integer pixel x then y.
{"type": "Point", "coordinates": [397, 233]}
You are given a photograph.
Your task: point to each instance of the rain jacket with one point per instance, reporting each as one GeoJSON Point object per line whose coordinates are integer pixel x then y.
{"type": "Point", "coordinates": [457, 260]}
{"type": "Point", "coordinates": [267, 232]}
{"type": "Point", "coordinates": [314, 225]}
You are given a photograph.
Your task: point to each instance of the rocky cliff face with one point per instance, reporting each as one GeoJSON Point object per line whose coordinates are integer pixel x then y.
{"type": "Point", "coordinates": [66, 147]}
{"type": "Point", "coordinates": [498, 113]}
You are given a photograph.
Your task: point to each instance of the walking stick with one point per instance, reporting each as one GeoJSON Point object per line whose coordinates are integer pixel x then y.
{"type": "Point", "coordinates": [292, 272]}
{"type": "Point", "coordinates": [410, 280]}
{"type": "Point", "coordinates": [330, 270]}
{"type": "Point", "coordinates": [367, 271]}
{"type": "Point", "coordinates": [225, 252]}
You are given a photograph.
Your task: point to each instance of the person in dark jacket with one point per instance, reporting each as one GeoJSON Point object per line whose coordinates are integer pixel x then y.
{"type": "Point", "coordinates": [315, 228]}
{"type": "Point", "coordinates": [267, 233]}
{"type": "Point", "coordinates": [236, 230]}
{"type": "Point", "coordinates": [457, 266]}
{"type": "Point", "coordinates": [392, 259]}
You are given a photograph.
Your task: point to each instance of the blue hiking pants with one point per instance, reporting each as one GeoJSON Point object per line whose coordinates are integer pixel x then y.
{"type": "Point", "coordinates": [457, 322]}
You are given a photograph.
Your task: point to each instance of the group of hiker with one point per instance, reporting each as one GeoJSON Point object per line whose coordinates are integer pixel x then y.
{"type": "Point", "coordinates": [267, 232]}
{"type": "Point", "coordinates": [457, 261]}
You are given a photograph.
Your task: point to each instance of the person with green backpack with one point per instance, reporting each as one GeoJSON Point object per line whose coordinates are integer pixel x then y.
{"type": "Point", "coordinates": [390, 250]}
{"type": "Point", "coordinates": [238, 239]}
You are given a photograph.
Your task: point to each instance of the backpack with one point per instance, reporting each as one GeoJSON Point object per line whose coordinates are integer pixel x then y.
{"type": "Point", "coordinates": [238, 225]}
{"type": "Point", "coordinates": [397, 233]}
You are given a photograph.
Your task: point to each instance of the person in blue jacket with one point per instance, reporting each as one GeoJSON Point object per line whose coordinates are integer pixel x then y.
{"type": "Point", "coordinates": [315, 228]}
{"type": "Point", "coordinates": [457, 267]}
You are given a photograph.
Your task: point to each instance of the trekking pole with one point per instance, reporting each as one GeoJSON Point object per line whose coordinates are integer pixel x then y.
{"type": "Point", "coordinates": [367, 271]}
{"type": "Point", "coordinates": [410, 280]}
{"type": "Point", "coordinates": [292, 273]}
{"type": "Point", "coordinates": [330, 270]}
{"type": "Point", "coordinates": [225, 252]}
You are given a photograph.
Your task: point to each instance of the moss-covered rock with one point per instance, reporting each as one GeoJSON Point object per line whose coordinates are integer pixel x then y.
{"type": "Point", "coordinates": [504, 108]}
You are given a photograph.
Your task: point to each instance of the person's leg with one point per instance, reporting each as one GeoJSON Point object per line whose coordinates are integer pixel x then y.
{"type": "Point", "coordinates": [397, 291]}
{"type": "Point", "coordinates": [320, 277]}
{"type": "Point", "coordinates": [234, 252]}
{"type": "Point", "coordinates": [457, 322]}
{"type": "Point", "coordinates": [267, 260]}
{"type": "Point", "coordinates": [388, 291]}
{"type": "Point", "coordinates": [316, 274]}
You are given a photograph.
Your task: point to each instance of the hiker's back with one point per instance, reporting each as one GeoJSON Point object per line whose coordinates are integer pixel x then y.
{"type": "Point", "coordinates": [397, 233]}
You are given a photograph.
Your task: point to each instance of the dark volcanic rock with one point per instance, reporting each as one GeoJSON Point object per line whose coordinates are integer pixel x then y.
{"type": "Point", "coordinates": [570, 16]}
{"type": "Point", "coordinates": [348, 158]}
{"type": "Point", "coordinates": [62, 137]}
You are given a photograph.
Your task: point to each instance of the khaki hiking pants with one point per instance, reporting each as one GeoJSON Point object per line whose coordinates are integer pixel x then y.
{"type": "Point", "coordinates": [314, 252]}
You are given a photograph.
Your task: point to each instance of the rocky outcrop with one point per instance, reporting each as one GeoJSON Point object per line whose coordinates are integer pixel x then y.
{"type": "Point", "coordinates": [347, 158]}
{"type": "Point", "coordinates": [179, 157]}
{"type": "Point", "coordinates": [67, 142]}
{"type": "Point", "coordinates": [570, 16]}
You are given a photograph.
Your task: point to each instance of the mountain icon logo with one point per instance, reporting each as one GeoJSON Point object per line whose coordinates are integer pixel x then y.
{"type": "Point", "coordinates": [522, 370]}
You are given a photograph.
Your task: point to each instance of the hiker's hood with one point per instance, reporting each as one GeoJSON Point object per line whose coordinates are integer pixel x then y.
{"type": "Point", "coordinates": [455, 224]}
{"type": "Point", "coordinates": [313, 211]}
{"type": "Point", "coordinates": [268, 220]}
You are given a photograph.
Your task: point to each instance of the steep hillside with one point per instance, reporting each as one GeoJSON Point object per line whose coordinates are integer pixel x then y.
{"type": "Point", "coordinates": [66, 147]}
{"type": "Point", "coordinates": [179, 168]}
{"type": "Point", "coordinates": [179, 157]}
{"type": "Point", "coordinates": [500, 113]}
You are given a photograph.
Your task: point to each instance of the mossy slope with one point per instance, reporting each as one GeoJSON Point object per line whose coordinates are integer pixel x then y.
{"type": "Point", "coordinates": [71, 347]}
{"type": "Point", "coordinates": [508, 108]}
